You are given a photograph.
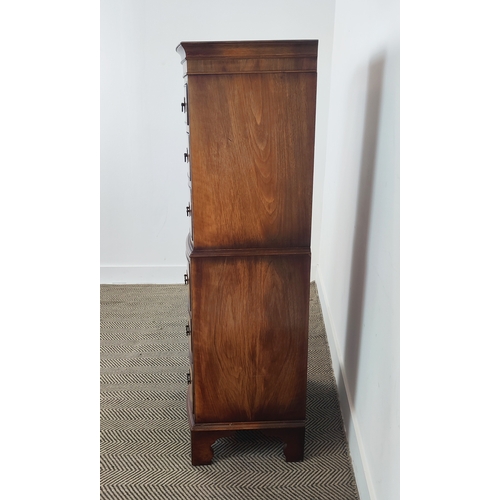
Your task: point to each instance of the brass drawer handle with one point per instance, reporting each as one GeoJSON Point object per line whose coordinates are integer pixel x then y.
{"type": "Point", "coordinates": [186, 279]}
{"type": "Point", "coordinates": [188, 210]}
{"type": "Point", "coordinates": [188, 378]}
{"type": "Point", "coordinates": [188, 330]}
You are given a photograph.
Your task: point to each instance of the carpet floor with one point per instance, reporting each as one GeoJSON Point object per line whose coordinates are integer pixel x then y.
{"type": "Point", "coordinates": [145, 440]}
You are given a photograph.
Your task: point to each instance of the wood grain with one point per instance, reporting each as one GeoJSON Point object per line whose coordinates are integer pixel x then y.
{"type": "Point", "coordinates": [252, 168]}
{"type": "Point", "coordinates": [250, 113]}
{"type": "Point", "coordinates": [257, 65]}
{"type": "Point", "coordinates": [293, 439]}
{"type": "Point", "coordinates": [249, 337]}
{"type": "Point", "coordinates": [254, 49]}
{"type": "Point", "coordinates": [201, 445]}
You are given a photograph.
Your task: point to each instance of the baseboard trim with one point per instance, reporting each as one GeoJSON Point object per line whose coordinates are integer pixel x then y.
{"type": "Point", "coordinates": [139, 275]}
{"type": "Point", "coordinates": [358, 455]}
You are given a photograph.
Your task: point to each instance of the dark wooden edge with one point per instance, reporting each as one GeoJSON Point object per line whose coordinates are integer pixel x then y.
{"type": "Point", "coordinates": [248, 49]}
{"type": "Point", "coordinates": [238, 426]}
{"type": "Point", "coordinates": [248, 426]}
{"type": "Point", "coordinates": [248, 252]}
{"type": "Point", "coordinates": [294, 440]}
{"type": "Point", "coordinates": [258, 57]}
{"type": "Point", "coordinates": [203, 436]}
{"type": "Point", "coordinates": [270, 72]}
{"type": "Point", "coordinates": [241, 252]}
{"type": "Point", "coordinates": [201, 445]}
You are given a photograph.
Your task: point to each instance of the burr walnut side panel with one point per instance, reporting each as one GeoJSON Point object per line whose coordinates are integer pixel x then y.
{"type": "Point", "coordinates": [249, 335]}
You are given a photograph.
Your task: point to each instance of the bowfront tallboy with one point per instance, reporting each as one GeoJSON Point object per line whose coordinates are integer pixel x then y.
{"type": "Point", "coordinates": [250, 116]}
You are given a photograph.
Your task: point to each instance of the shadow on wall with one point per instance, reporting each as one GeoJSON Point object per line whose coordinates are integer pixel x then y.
{"type": "Point", "coordinates": [362, 224]}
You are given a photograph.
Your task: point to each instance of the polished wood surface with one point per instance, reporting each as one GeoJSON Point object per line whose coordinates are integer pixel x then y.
{"type": "Point", "coordinates": [202, 441]}
{"type": "Point", "coordinates": [201, 445]}
{"type": "Point", "coordinates": [261, 49]}
{"type": "Point", "coordinates": [249, 337]}
{"type": "Point", "coordinates": [252, 169]}
{"type": "Point", "coordinates": [281, 65]}
{"type": "Point", "coordinates": [250, 116]}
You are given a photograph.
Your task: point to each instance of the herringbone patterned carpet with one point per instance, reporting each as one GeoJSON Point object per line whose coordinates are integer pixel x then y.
{"type": "Point", "coordinates": [145, 442]}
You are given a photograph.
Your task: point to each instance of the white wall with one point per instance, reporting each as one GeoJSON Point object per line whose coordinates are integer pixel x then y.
{"type": "Point", "coordinates": [358, 269]}
{"type": "Point", "coordinates": [143, 177]}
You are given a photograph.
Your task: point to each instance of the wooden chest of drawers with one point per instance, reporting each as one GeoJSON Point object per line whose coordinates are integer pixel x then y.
{"type": "Point", "coordinates": [250, 116]}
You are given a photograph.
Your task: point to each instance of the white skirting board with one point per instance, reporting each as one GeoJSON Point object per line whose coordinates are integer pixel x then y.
{"type": "Point", "coordinates": [358, 456]}
{"type": "Point", "coordinates": [138, 275]}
